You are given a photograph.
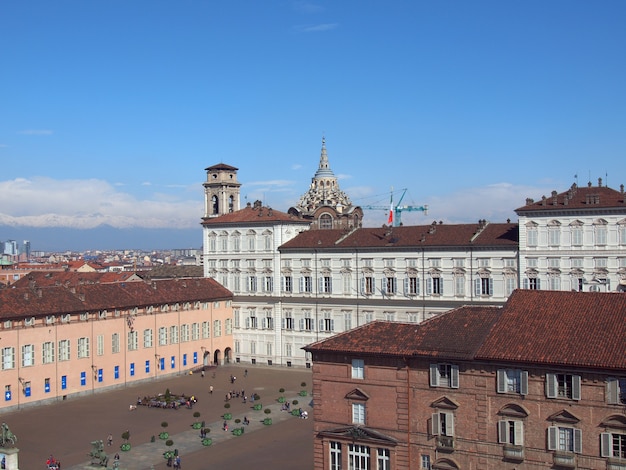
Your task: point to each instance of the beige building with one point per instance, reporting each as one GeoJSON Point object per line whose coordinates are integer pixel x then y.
{"type": "Point", "coordinates": [59, 341]}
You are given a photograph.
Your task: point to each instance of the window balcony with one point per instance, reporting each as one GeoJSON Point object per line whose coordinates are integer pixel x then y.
{"type": "Point", "coordinates": [513, 453]}
{"type": "Point", "coordinates": [615, 464]}
{"type": "Point", "coordinates": [564, 460]}
{"type": "Point", "coordinates": [445, 443]}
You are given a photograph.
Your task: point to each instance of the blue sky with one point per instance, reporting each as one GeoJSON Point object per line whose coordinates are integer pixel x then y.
{"type": "Point", "coordinates": [111, 110]}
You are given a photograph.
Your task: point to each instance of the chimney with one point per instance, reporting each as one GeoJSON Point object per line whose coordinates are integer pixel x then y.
{"type": "Point", "coordinates": [554, 199]}
{"type": "Point", "coordinates": [599, 182]}
{"type": "Point", "coordinates": [529, 201]}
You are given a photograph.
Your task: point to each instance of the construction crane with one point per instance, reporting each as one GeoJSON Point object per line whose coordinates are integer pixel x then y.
{"type": "Point", "coordinates": [395, 212]}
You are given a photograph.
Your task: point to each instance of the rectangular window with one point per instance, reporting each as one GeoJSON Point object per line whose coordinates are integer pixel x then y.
{"type": "Point", "coordinates": [484, 286]}
{"type": "Point", "coordinates": [184, 333]}
{"type": "Point", "coordinates": [425, 462]}
{"type": "Point", "coordinates": [411, 286]}
{"type": "Point", "coordinates": [195, 331]}
{"type": "Point", "coordinates": [367, 287]}
{"type": "Point", "coordinates": [8, 358]}
{"type": "Point", "coordinates": [384, 459]}
{"type": "Point", "coordinates": [133, 341]}
{"type": "Point", "coordinates": [389, 285]}
{"type": "Point", "coordinates": [347, 321]}
{"type": "Point", "coordinates": [444, 375]}
{"type": "Point", "coordinates": [459, 285]}
{"type": "Point", "coordinates": [511, 432]}
{"type": "Point", "coordinates": [358, 368]}
{"type": "Point", "coordinates": [217, 328]}
{"type": "Point", "coordinates": [228, 326]}
{"type": "Point", "coordinates": [335, 455]}
{"type": "Point", "coordinates": [563, 386]}
{"type": "Point", "coordinates": [358, 457]}
{"type": "Point", "coordinates": [147, 338]}
{"type": "Point", "coordinates": [115, 343]}
{"type": "Point", "coordinates": [613, 445]}
{"type": "Point", "coordinates": [531, 236]}
{"type": "Point", "coordinates": [83, 348]}
{"type": "Point", "coordinates": [268, 284]}
{"type": "Point", "coordinates": [327, 323]}
{"type": "Point", "coordinates": [100, 345]}
{"type": "Point", "coordinates": [28, 355]}
{"type": "Point", "coordinates": [577, 236]}
{"type": "Point", "coordinates": [287, 284]}
{"type": "Point", "coordinates": [512, 381]}
{"type": "Point", "coordinates": [206, 330]}
{"type": "Point", "coordinates": [358, 413]}
{"type": "Point", "coordinates": [435, 286]}
{"type": "Point", "coordinates": [600, 234]}
{"type": "Point", "coordinates": [346, 283]}
{"type": "Point", "coordinates": [564, 439]}
{"type": "Point", "coordinates": [554, 236]}
{"type": "Point", "coordinates": [442, 424]}
{"type": "Point", "coordinates": [162, 336]}
{"type": "Point", "coordinates": [174, 338]}
{"type": "Point", "coordinates": [48, 352]}
{"type": "Point", "coordinates": [251, 283]}
{"type": "Point", "coordinates": [288, 322]}
{"type": "Point", "coordinates": [616, 391]}
{"type": "Point", "coordinates": [306, 284]}
{"type": "Point", "coordinates": [64, 350]}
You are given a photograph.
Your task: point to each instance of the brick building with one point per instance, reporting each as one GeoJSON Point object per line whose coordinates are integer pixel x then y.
{"type": "Point", "coordinates": [538, 383]}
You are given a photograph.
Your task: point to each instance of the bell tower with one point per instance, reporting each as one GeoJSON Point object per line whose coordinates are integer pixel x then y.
{"type": "Point", "coordinates": [221, 190]}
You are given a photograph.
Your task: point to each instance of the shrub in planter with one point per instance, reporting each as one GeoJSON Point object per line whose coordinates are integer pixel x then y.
{"type": "Point", "coordinates": [295, 402]}
{"type": "Point", "coordinates": [164, 435]}
{"type": "Point", "coordinates": [237, 421]}
{"type": "Point", "coordinates": [226, 405]}
{"type": "Point", "coordinates": [256, 397]}
{"type": "Point", "coordinates": [257, 406]}
{"type": "Point", "coordinates": [281, 399]}
{"type": "Point", "coordinates": [295, 412]}
{"type": "Point", "coordinates": [164, 424]}
{"type": "Point", "coordinates": [125, 446]}
{"type": "Point", "coordinates": [207, 430]}
{"type": "Point", "coordinates": [126, 435]}
{"type": "Point", "coordinates": [169, 443]}
{"type": "Point", "coordinates": [303, 393]}
{"type": "Point", "coordinates": [267, 411]}
{"type": "Point", "coordinates": [228, 416]}
{"type": "Point", "coordinates": [282, 390]}
{"type": "Point", "coordinates": [207, 441]}
{"type": "Point", "coordinates": [303, 384]}
{"type": "Point", "coordinates": [238, 431]}
{"type": "Point", "coordinates": [168, 454]}
{"type": "Point", "coordinates": [196, 425]}
{"type": "Point", "coordinates": [267, 421]}
{"type": "Point", "coordinates": [196, 414]}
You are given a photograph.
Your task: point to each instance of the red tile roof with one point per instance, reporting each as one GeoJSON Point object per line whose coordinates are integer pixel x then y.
{"type": "Point", "coordinates": [434, 235]}
{"type": "Point", "coordinates": [28, 302]}
{"type": "Point", "coordinates": [252, 215]}
{"type": "Point", "coordinates": [571, 329]}
{"type": "Point", "coordinates": [589, 197]}
{"type": "Point", "coordinates": [464, 328]}
{"type": "Point", "coordinates": [70, 278]}
{"type": "Point", "coordinates": [221, 166]}
{"type": "Point", "coordinates": [583, 329]}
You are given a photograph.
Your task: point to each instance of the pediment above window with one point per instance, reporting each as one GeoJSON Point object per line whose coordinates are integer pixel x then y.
{"type": "Point", "coordinates": [576, 223]}
{"type": "Point", "coordinates": [445, 464]}
{"type": "Point", "coordinates": [513, 410]}
{"type": "Point", "coordinates": [564, 416]}
{"type": "Point", "coordinates": [614, 422]}
{"type": "Point", "coordinates": [360, 433]}
{"type": "Point", "coordinates": [445, 403]}
{"type": "Point", "coordinates": [357, 394]}
{"type": "Point", "coordinates": [531, 224]}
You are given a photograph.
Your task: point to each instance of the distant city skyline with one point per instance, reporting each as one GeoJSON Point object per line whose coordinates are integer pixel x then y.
{"type": "Point", "coordinates": [112, 110]}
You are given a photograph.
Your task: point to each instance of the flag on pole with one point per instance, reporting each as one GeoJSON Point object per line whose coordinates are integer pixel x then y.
{"type": "Point", "coordinates": [390, 219]}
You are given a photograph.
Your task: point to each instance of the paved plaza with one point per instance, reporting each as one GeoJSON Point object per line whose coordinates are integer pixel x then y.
{"type": "Point", "coordinates": [66, 429]}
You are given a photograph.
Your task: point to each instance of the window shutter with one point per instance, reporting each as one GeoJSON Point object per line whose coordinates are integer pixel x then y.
{"type": "Point", "coordinates": [332, 325]}
{"type": "Point", "coordinates": [330, 285]}
{"type": "Point", "coordinates": [518, 429]}
{"type": "Point", "coordinates": [612, 391]}
{"type": "Point", "coordinates": [454, 379]}
{"type": "Point", "coordinates": [320, 284]}
{"type": "Point", "coordinates": [501, 380]}
{"type": "Point", "coordinates": [321, 325]}
{"type": "Point", "coordinates": [429, 286]}
{"type": "Point", "coordinates": [502, 432]}
{"type": "Point", "coordinates": [435, 424]}
{"type": "Point", "coordinates": [247, 322]}
{"type": "Point", "coordinates": [538, 284]}
{"type": "Point", "coordinates": [383, 285]}
{"type": "Point", "coordinates": [576, 387]}
{"type": "Point", "coordinates": [417, 285]}
{"type": "Point", "coordinates": [477, 287]}
{"type": "Point", "coordinates": [525, 283]}
{"type": "Point", "coordinates": [523, 386]}
{"type": "Point", "coordinates": [282, 283]}
{"type": "Point", "coordinates": [605, 445]}
{"type": "Point", "coordinates": [449, 424]}
{"type": "Point", "coordinates": [490, 286]}
{"type": "Point", "coordinates": [578, 441]}
{"type": "Point", "coordinates": [362, 286]}
{"type": "Point", "coordinates": [406, 286]}
{"type": "Point", "coordinates": [434, 375]}
{"type": "Point", "coordinates": [301, 324]}
{"type": "Point", "coordinates": [553, 435]}
{"type": "Point", "coordinates": [282, 323]}
{"type": "Point", "coordinates": [551, 386]}
{"type": "Point", "coordinates": [301, 284]}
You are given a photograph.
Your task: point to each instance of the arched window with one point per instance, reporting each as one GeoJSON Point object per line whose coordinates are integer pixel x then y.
{"type": "Point", "coordinates": [231, 203]}
{"type": "Point", "coordinates": [326, 222]}
{"type": "Point", "coordinates": [216, 205]}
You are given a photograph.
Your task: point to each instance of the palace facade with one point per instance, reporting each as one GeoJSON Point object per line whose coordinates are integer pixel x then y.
{"type": "Point", "coordinates": [72, 339]}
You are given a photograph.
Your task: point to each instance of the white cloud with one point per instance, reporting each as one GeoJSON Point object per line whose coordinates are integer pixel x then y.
{"type": "Point", "coordinates": [36, 132]}
{"type": "Point", "coordinates": [317, 27]}
{"type": "Point", "coordinates": [307, 7]}
{"type": "Point", "coordinates": [45, 202]}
